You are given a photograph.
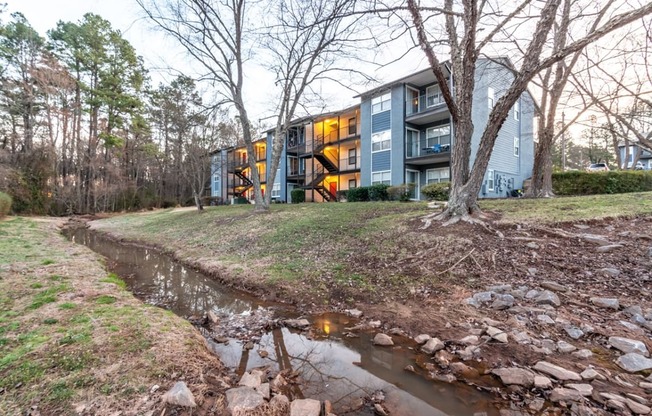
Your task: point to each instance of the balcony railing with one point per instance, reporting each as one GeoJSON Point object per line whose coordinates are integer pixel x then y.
{"type": "Point", "coordinates": [423, 104]}
{"type": "Point", "coordinates": [350, 163]}
{"type": "Point", "coordinates": [428, 146]}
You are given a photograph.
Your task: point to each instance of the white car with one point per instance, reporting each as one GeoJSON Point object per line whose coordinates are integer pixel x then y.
{"type": "Point", "coordinates": [639, 166]}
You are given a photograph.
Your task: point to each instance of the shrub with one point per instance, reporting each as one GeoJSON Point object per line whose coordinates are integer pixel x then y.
{"type": "Point", "coordinates": [378, 192]}
{"type": "Point", "coordinates": [436, 191]}
{"type": "Point", "coordinates": [298, 196]}
{"type": "Point", "coordinates": [5, 204]}
{"type": "Point", "coordinates": [342, 195]}
{"type": "Point", "coordinates": [401, 192]}
{"type": "Point", "coordinates": [591, 183]}
{"type": "Point", "coordinates": [359, 194]}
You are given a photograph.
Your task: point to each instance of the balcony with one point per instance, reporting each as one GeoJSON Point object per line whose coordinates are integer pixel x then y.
{"type": "Point", "coordinates": [425, 109]}
{"type": "Point", "coordinates": [348, 164]}
{"type": "Point", "coordinates": [428, 150]}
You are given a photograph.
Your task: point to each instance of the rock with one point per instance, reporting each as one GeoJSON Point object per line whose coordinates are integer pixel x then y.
{"type": "Point", "coordinates": [248, 346]}
{"type": "Point", "coordinates": [509, 412]}
{"type": "Point", "coordinates": [548, 344]}
{"type": "Point", "coordinates": [536, 404]}
{"type": "Point", "coordinates": [610, 271]}
{"type": "Point", "coordinates": [565, 347]}
{"type": "Point", "coordinates": [573, 331]}
{"type": "Point", "coordinates": [633, 310]}
{"type": "Point", "coordinates": [531, 294]}
{"type": "Point", "coordinates": [645, 385]}
{"type": "Point", "coordinates": [421, 339]}
{"type": "Point", "coordinates": [446, 378]}
{"type": "Point", "coordinates": [561, 394]}
{"type": "Point", "coordinates": [617, 405]}
{"type": "Point", "coordinates": [515, 375]}
{"type": "Point", "coordinates": [433, 345]}
{"type": "Point", "coordinates": [491, 322]}
{"type": "Point", "coordinates": [263, 353]}
{"type": "Point", "coordinates": [154, 388]}
{"type": "Point", "coordinates": [521, 337]}
{"type": "Point", "coordinates": [609, 248]}
{"type": "Point", "coordinates": [532, 245]}
{"type": "Point", "coordinates": [497, 334]}
{"type": "Point", "coordinates": [636, 398]}
{"type": "Point", "coordinates": [469, 340]}
{"type": "Point", "coordinates": [611, 303]}
{"type": "Point", "coordinates": [548, 297]}
{"type": "Point", "coordinates": [355, 313]}
{"type": "Point", "coordinates": [637, 408]}
{"type": "Point", "coordinates": [379, 410]}
{"type": "Point", "coordinates": [280, 404]}
{"type": "Point", "coordinates": [213, 317]}
{"type": "Point", "coordinates": [595, 239]}
{"type": "Point", "coordinates": [503, 302]}
{"type": "Point", "coordinates": [383, 340]}
{"type": "Point", "coordinates": [556, 371]}
{"type": "Point", "coordinates": [463, 370]}
{"type": "Point", "coordinates": [483, 297]}
{"type": "Point", "coordinates": [550, 285]}
{"type": "Point", "coordinates": [251, 379]}
{"type": "Point", "coordinates": [584, 389]}
{"type": "Point", "coordinates": [532, 271]}
{"type": "Point", "coordinates": [264, 390]}
{"type": "Point", "coordinates": [542, 382]}
{"type": "Point", "coordinates": [629, 345]}
{"type": "Point", "coordinates": [583, 354]}
{"type": "Point", "coordinates": [374, 324]}
{"type": "Point", "coordinates": [243, 399]}
{"type": "Point", "coordinates": [179, 395]}
{"type": "Point", "coordinates": [545, 319]}
{"type": "Point", "coordinates": [631, 326]}
{"type": "Point", "coordinates": [581, 226]}
{"type": "Point", "coordinates": [443, 358]}
{"type": "Point", "coordinates": [278, 383]}
{"type": "Point", "coordinates": [589, 374]}
{"type": "Point", "coordinates": [499, 288]}
{"type": "Point", "coordinates": [633, 362]}
{"type": "Point", "coordinates": [305, 407]}
{"type": "Point", "coordinates": [468, 352]}
{"type": "Point", "coordinates": [297, 323]}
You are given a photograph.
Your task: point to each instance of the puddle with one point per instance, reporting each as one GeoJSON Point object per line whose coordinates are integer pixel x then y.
{"type": "Point", "coordinates": [331, 365]}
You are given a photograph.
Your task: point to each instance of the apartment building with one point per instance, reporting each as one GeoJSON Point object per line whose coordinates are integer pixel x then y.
{"type": "Point", "coordinates": [401, 132]}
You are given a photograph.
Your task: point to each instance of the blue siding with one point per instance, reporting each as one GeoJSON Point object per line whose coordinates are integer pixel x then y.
{"type": "Point", "coordinates": [397, 164]}
{"type": "Point", "coordinates": [365, 143]}
{"type": "Point", "coordinates": [380, 161]}
{"type": "Point", "coordinates": [380, 121]}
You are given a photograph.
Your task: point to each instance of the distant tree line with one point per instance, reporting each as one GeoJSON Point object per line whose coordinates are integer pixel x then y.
{"type": "Point", "coordinates": [82, 131]}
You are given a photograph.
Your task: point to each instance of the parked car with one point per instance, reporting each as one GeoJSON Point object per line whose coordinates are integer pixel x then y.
{"type": "Point", "coordinates": [597, 167]}
{"type": "Point", "coordinates": [639, 166]}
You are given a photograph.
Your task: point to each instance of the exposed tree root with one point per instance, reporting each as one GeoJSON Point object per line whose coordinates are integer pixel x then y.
{"type": "Point", "coordinates": [449, 218]}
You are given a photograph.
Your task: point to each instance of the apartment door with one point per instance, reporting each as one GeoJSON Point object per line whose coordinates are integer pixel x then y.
{"type": "Point", "coordinates": [333, 187]}
{"type": "Point", "coordinates": [412, 176]}
{"type": "Point", "coordinates": [411, 143]}
{"type": "Point", "coordinates": [412, 104]}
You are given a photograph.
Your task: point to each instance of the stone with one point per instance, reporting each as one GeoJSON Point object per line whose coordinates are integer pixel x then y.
{"type": "Point", "coordinates": [629, 345]}
{"type": "Point", "coordinates": [446, 378]}
{"type": "Point", "coordinates": [433, 345]}
{"type": "Point", "coordinates": [556, 371]}
{"type": "Point", "coordinates": [499, 288]}
{"type": "Point", "coordinates": [561, 394]}
{"type": "Point", "coordinates": [278, 383]}
{"type": "Point", "coordinates": [542, 382]}
{"type": "Point", "coordinates": [297, 323]}
{"type": "Point", "coordinates": [536, 404]}
{"type": "Point", "coordinates": [355, 313]}
{"type": "Point", "coordinates": [645, 385]}
{"type": "Point", "coordinates": [212, 316]}
{"type": "Point", "coordinates": [584, 389]}
{"type": "Point", "coordinates": [305, 407]}
{"type": "Point", "coordinates": [617, 405]}
{"type": "Point", "coordinates": [509, 412]}
{"type": "Point", "coordinates": [631, 326]}
{"type": "Point", "coordinates": [581, 226]}
{"type": "Point", "coordinates": [550, 285]}
{"type": "Point", "coordinates": [468, 352]}
{"type": "Point", "coordinates": [242, 399]}
{"type": "Point", "coordinates": [503, 302]}
{"type": "Point", "coordinates": [521, 337]}
{"type": "Point", "coordinates": [573, 331]}
{"type": "Point", "coordinates": [179, 395]}
{"type": "Point", "coordinates": [633, 362]}
{"type": "Point", "coordinates": [469, 340]}
{"type": "Point", "coordinates": [515, 375]}
{"type": "Point", "coordinates": [595, 239]}
{"type": "Point", "coordinates": [532, 245]}
{"type": "Point", "coordinates": [421, 339]}
{"type": "Point", "coordinates": [638, 320]}
{"type": "Point", "coordinates": [565, 347]}
{"type": "Point", "coordinates": [497, 334]}
{"type": "Point", "coordinates": [280, 400]}
{"type": "Point", "coordinates": [610, 271]}
{"type": "Point", "coordinates": [589, 374]}
{"type": "Point", "coordinates": [608, 248]}
{"type": "Point", "coordinates": [531, 294]}
{"type": "Point", "coordinates": [463, 370]}
{"type": "Point", "coordinates": [491, 322]}
{"type": "Point", "coordinates": [253, 379]}
{"type": "Point", "coordinates": [583, 354]}
{"type": "Point", "coordinates": [379, 410]}
{"type": "Point", "coordinates": [633, 310]}
{"type": "Point", "coordinates": [374, 324]}
{"type": "Point", "coordinates": [637, 408]}
{"type": "Point", "coordinates": [443, 358]}
{"type": "Point", "coordinates": [483, 297]}
{"type": "Point", "coordinates": [264, 390]}
{"type": "Point", "coordinates": [548, 344]}
{"type": "Point", "coordinates": [636, 398]}
{"type": "Point", "coordinates": [610, 303]}
{"type": "Point", "coordinates": [383, 340]}
{"type": "Point", "coordinates": [545, 319]}
{"type": "Point", "coordinates": [548, 297]}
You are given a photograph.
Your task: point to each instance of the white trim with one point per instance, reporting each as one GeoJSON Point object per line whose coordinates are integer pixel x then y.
{"type": "Point", "coordinates": [407, 87]}
{"type": "Point", "coordinates": [491, 97]}
{"type": "Point", "coordinates": [448, 175]}
{"type": "Point", "coordinates": [418, 141]}
{"type": "Point", "coordinates": [381, 99]}
{"type": "Point", "coordinates": [389, 139]}
{"type": "Point", "coordinates": [439, 101]}
{"type": "Point", "coordinates": [517, 110]}
{"type": "Point", "coordinates": [517, 146]}
{"type": "Point", "coordinates": [491, 179]}
{"type": "Point", "coordinates": [381, 173]}
{"type": "Point", "coordinates": [417, 188]}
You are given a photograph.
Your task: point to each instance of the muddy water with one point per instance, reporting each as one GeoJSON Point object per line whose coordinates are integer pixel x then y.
{"type": "Point", "coordinates": [331, 365]}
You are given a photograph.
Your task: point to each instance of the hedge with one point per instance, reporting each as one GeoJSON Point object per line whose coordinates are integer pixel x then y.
{"type": "Point", "coordinates": [592, 183]}
{"type": "Point", "coordinates": [359, 194]}
{"type": "Point", "coordinates": [436, 191]}
{"type": "Point", "coordinates": [401, 192]}
{"type": "Point", "coordinates": [368, 193]}
{"type": "Point", "coordinates": [298, 196]}
{"type": "Point", "coordinates": [5, 204]}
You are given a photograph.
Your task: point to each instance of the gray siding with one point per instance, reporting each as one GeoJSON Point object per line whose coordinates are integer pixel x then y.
{"type": "Point", "coordinates": [381, 121]}
{"type": "Point", "coordinates": [365, 143]}
{"type": "Point", "coordinates": [397, 164]}
{"type": "Point", "coordinates": [380, 161]}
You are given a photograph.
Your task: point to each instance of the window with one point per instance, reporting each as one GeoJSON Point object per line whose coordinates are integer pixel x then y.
{"type": "Point", "coordinates": [352, 157]}
{"type": "Point", "coordinates": [216, 177]}
{"type": "Point", "coordinates": [380, 141]}
{"type": "Point", "coordinates": [382, 103]}
{"type": "Point", "coordinates": [276, 190]}
{"type": "Point", "coordinates": [490, 180]}
{"type": "Point", "coordinates": [490, 97]}
{"type": "Point", "coordinates": [517, 111]}
{"type": "Point", "coordinates": [433, 96]}
{"type": "Point", "coordinates": [438, 135]}
{"type": "Point", "coordinates": [517, 145]}
{"type": "Point", "coordinates": [378, 178]}
{"type": "Point", "coordinates": [352, 183]}
{"type": "Point", "coordinates": [302, 166]}
{"type": "Point", "coordinates": [352, 126]}
{"type": "Point", "coordinates": [437, 175]}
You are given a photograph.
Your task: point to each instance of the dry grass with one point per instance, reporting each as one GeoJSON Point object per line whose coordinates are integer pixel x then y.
{"type": "Point", "coordinates": [72, 340]}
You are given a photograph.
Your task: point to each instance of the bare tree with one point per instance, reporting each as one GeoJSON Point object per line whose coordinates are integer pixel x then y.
{"type": "Point", "coordinates": [460, 25]}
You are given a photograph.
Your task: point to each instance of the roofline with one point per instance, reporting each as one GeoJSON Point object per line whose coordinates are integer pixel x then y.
{"type": "Point", "coordinates": [396, 81]}
{"type": "Point", "coordinates": [307, 118]}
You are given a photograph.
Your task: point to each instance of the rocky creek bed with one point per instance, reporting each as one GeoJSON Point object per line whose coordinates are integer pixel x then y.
{"type": "Point", "coordinates": [563, 328]}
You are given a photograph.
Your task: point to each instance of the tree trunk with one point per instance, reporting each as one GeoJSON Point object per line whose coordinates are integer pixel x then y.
{"type": "Point", "coordinates": [541, 186]}
{"type": "Point", "coordinates": [198, 203]}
